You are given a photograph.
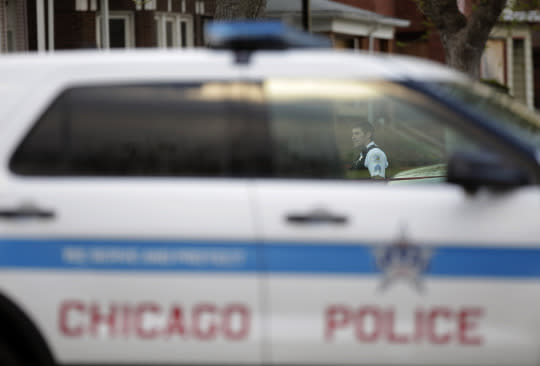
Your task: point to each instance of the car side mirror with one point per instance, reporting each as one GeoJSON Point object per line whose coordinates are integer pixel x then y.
{"type": "Point", "coordinates": [473, 170]}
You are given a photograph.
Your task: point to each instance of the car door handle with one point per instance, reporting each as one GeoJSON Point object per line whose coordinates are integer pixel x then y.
{"type": "Point", "coordinates": [317, 217]}
{"type": "Point", "coordinates": [25, 212]}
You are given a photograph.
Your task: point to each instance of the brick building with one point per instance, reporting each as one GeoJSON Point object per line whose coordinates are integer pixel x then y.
{"type": "Point", "coordinates": [512, 55]}
{"type": "Point", "coordinates": [46, 25]}
{"type": "Point", "coordinates": [39, 25]}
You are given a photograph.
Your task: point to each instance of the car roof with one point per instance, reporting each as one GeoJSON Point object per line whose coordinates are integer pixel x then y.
{"type": "Point", "coordinates": [299, 62]}
{"type": "Point", "coordinates": [21, 73]}
{"type": "Point", "coordinates": [351, 64]}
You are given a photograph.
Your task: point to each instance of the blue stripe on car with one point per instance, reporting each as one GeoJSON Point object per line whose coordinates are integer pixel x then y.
{"type": "Point", "coordinates": [242, 257]}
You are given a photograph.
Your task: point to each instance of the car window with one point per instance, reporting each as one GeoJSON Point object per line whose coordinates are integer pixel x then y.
{"type": "Point", "coordinates": [509, 114]}
{"type": "Point", "coordinates": [136, 130]}
{"type": "Point", "coordinates": [311, 123]}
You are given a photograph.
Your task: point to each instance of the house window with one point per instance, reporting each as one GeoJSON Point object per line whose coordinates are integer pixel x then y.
{"type": "Point", "coordinates": [183, 34]}
{"type": "Point", "coordinates": [384, 45]}
{"type": "Point", "coordinates": [343, 42]}
{"type": "Point", "coordinates": [492, 64]}
{"type": "Point", "coordinates": [199, 7]}
{"type": "Point", "coordinates": [169, 33]}
{"type": "Point", "coordinates": [150, 5]}
{"type": "Point", "coordinates": [11, 23]}
{"type": "Point", "coordinates": [519, 89]}
{"type": "Point", "coordinates": [81, 5]}
{"type": "Point", "coordinates": [118, 33]}
{"type": "Point", "coordinates": [10, 41]}
{"type": "Point", "coordinates": [121, 34]}
{"type": "Point", "coordinates": [174, 30]}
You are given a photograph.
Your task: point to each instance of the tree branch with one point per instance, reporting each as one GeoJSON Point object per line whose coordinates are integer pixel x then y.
{"type": "Point", "coordinates": [482, 20]}
{"type": "Point", "coordinates": [255, 8]}
{"type": "Point", "coordinates": [239, 9]}
{"type": "Point", "coordinates": [444, 14]}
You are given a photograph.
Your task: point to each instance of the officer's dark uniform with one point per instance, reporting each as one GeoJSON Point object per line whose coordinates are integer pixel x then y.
{"type": "Point", "coordinates": [359, 163]}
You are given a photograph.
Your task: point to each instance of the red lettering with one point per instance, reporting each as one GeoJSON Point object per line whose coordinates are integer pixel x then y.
{"type": "Point", "coordinates": [439, 325]}
{"type": "Point", "coordinates": [242, 314]}
{"type": "Point", "coordinates": [127, 312]}
{"type": "Point", "coordinates": [419, 320]}
{"type": "Point", "coordinates": [66, 308]}
{"type": "Point", "coordinates": [362, 334]}
{"type": "Point", "coordinates": [467, 323]}
{"type": "Point", "coordinates": [145, 308]}
{"type": "Point", "coordinates": [336, 317]}
{"type": "Point", "coordinates": [148, 320]}
{"type": "Point", "coordinates": [199, 312]}
{"type": "Point", "coordinates": [390, 331]}
{"type": "Point", "coordinates": [97, 319]}
{"type": "Point", "coordinates": [176, 322]}
{"type": "Point", "coordinates": [432, 326]}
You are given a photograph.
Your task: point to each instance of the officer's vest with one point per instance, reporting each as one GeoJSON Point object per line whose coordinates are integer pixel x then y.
{"type": "Point", "coordinates": [359, 162]}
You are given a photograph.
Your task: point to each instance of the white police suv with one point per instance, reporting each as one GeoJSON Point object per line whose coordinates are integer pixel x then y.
{"type": "Point", "coordinates": [209, 207]}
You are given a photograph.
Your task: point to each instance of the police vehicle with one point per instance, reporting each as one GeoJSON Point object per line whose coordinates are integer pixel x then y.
{"type": "Point", "coordinates": [198, 207]}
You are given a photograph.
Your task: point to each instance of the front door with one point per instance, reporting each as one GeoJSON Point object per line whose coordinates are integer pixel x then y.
{"type": "Point", "coordinates": [403, 270]}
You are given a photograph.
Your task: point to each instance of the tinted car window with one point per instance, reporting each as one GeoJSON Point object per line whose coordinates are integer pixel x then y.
{"type": "Point", "coordinates": [135, 130]}
{"type": "Point", "coordinates": [311, 123]}
{"type": "Point", "coordinates": [504, 111]}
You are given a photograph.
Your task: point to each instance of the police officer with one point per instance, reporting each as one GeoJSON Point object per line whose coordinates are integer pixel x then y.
{"type": "Point", "coordinates": [370, 157]}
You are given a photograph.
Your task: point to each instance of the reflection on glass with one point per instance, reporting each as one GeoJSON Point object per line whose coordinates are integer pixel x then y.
{"type": "Point", "coordinates": [509, 114]}
{"type": "Point", "coordinates": [312, 124]}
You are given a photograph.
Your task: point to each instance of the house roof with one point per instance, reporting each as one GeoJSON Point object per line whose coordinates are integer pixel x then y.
{"type": "Point", "coordinates": [531, 16]}
{"type": "Point", "coordinates": [327, 8]}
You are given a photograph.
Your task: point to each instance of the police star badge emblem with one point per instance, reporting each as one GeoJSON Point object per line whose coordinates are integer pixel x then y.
{"type": "Point", "coordinates": [402, 261]}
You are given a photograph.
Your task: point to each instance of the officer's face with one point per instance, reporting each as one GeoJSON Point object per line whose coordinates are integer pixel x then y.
{"type": "Point", "coordinates": [359, 138]}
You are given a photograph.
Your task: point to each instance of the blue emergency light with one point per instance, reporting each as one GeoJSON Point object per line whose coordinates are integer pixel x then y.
{"type": "Point", "coordinates": [260, 35]}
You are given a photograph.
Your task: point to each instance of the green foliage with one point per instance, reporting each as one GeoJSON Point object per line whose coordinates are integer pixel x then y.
{"type": "Point", "coordinates": [420, 4]}
{"type": "Point", "coordinates": [524, 5]}
{"type": "Point", "coordinates": [402, 44]}
{"type": "Point", "coordinates": [496, 85]}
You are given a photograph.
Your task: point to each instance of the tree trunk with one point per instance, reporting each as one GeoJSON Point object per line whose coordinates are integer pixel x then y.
{"type": "Point", "coordinates": [463, 38]}
{"type": "Point", "coordinates": [239, 9]}
{"type": "Point", "coordinates": [461, 55]}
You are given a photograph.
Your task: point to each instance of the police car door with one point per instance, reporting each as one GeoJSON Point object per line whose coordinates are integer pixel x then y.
{"type": "Point", "coordinates": [404, 270]}
{"type": "Point", "coordinates": [126, 231]}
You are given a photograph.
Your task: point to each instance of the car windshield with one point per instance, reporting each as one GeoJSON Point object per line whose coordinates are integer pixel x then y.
{"type": "Point", "coordinates": [505, 112]}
